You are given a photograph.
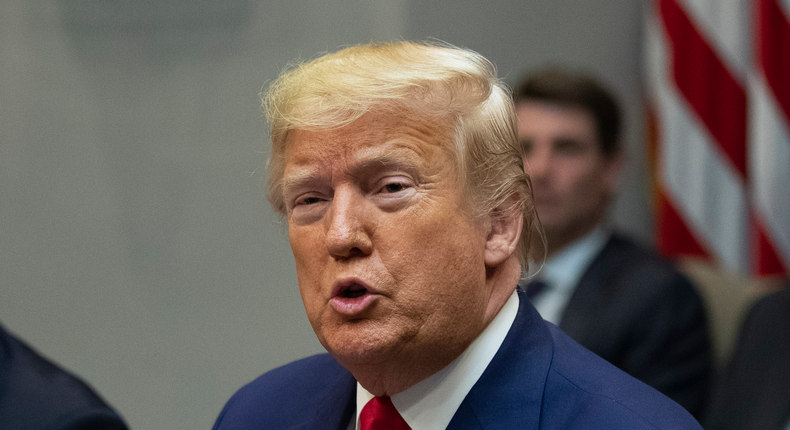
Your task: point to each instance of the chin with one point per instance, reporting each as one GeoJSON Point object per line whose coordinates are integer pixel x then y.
{"type": "Point", "coordinates": [355, 354]}
{"type": "Point", "coordinates": [353, 344]}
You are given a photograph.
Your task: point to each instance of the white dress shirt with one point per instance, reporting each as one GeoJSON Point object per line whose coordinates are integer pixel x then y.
{"type": "Point", "coordinates": [563, 271]}
{"type": "Point", "coordinates": [431, 403]}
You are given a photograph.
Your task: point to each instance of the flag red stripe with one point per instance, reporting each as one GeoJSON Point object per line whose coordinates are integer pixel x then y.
{"type": "Point", "coordinates": [767, 261]}
{"type": "Point", "coordinates": [774, 52]}
{"type": "Point", "coordinates": [675, 238]}
{"type": "Point", "coordinates": [708, 86]}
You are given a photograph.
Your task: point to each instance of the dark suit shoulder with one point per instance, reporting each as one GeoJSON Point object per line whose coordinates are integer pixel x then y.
{"type": "Point", "coordinates": [623, 262]}
{"type": "Point", "coordinates": [586, 392]}
{"type": "Point", "coordinates": [36, 393]}
{"type": "Point", "coordinates": [277, 399]}
{"type": "Point", "coordinates": [638, 283]}
{"type": "Point", "coordinates": [754, 392]}
{"type": "Point", "coordinates": [636, 310]}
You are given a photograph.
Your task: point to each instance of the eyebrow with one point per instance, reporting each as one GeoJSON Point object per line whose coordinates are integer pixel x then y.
{"type": "Point", "coordinates": [386, 161]}
{"type": "Point", "coordinates": [298, 177]}
{"type": "Point", "coordinates": [369, 159]}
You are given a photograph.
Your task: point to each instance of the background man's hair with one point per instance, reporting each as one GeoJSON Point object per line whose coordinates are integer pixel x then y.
{"type": "Point", "coordinates": [423, 81]}
{"type": "Point", "coordinates": [576, 89]}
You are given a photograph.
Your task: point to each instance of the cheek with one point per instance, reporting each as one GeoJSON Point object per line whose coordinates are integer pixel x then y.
{"type": "Point", "coordinates": [427, 257]}
{"type": "Point", "coordinates": [580, 180]}
{"type": "Point", "coordinates": [307, 258]}
{"type": "Point", "coordinates": [306, 243]}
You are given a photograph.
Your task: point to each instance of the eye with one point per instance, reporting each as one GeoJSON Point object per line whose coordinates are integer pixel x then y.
{"type": "Point", "coordinates": [394, 187]}
{"type": "Point", "coordinates": [307, 208]}
{"type": "Point", "coordinates": [308, 201]}
{"type": "Point", "coordinates": [569, 147]}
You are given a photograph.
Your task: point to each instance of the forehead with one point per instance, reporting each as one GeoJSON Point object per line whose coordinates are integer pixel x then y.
{"type": "Point", "coordinates": [545, 118]}
{"type": "Point", "coordinates": [371, 137]}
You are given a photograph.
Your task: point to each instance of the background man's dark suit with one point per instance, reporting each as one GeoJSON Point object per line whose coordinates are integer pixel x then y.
{"type": "Point", "coordinates": [755, 390]}
{"type": "Point", "coordinates": [638, 312]}
{"type": "Point", "coordinates": [539, 379]}
{"type": "Point", "coordinates": [630, 307]}
{"type": "Point", "coordinates": [36, 394]}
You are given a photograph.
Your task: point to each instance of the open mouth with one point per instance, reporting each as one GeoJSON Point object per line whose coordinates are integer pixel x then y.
{"type": "Point", "coordinates": [352, 297]}
{"type": "Point", "coordinates": [353, 291]}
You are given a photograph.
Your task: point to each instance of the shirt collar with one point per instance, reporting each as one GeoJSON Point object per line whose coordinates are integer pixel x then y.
{"type": "Point", "coordinates": [432, 402]}
{"type": "Point", "coordinates": [565, 268]}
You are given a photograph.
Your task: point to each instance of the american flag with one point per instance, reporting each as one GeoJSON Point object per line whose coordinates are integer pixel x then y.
{"type": "Point", "coordinates": [718, 88]}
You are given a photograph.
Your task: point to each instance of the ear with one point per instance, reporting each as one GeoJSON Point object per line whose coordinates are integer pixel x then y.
{"type": "Point", "coordinates": [504, 231]}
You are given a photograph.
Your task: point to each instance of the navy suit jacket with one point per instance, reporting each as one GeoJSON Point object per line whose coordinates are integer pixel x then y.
{"type": "Point", "coordinates": [36, 394]}
{"type": "Point", "coordinates": [636, 311]}
{"type": "Point", "coordinates": [539, 379]}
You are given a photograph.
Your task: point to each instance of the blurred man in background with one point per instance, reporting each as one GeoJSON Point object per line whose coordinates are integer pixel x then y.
{"type": "Point", "coordinates": [613, 296]}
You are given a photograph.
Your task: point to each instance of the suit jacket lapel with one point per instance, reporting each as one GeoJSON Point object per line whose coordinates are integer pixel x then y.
{"type": "Point", "coordinates": [333, 408]}
{"type": "Point", "coordinates": [586, 297]}
{"type": "Point", "coordinates": [507, 395]}
{"type": "Point", "coordinates": [510, 391]}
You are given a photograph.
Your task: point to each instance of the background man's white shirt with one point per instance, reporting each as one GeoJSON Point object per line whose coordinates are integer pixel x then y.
{"type": "Point", "coordinates": [563, 271]}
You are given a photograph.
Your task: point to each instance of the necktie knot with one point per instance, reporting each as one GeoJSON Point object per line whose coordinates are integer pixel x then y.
{"type": "Point", "coordinates": [380, 414]}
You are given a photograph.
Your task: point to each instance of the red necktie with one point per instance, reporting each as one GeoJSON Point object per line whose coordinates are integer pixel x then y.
{"type": "Point", "coordinates": [380, 414]}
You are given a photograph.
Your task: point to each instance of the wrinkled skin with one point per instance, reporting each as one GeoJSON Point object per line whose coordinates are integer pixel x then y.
{"type": "Point", "coordinates": [395, 279]}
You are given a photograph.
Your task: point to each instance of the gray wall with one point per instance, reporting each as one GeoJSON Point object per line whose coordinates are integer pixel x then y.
{"type": "Point", "coordinates": [136, 247]}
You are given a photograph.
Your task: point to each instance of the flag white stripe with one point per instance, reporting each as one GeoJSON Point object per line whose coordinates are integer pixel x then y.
{"type": "Point", "coordinates": [706, 191]}
{"type": "Point", "coordinates": [769, 157]}
{"type": "Point", "coordinates": [725, 24]}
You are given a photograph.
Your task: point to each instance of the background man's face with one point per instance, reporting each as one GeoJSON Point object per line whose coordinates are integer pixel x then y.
{"type": "Point", "coordinates": [572, 179]}
{"type": "Point", "coordinates": [387, 264]}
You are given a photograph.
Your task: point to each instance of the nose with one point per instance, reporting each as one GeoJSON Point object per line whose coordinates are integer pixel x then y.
{"type": "Point", "coordinates": [346, 225]}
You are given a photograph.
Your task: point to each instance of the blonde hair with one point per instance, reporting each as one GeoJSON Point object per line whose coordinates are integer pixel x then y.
{"type": "Point", "coordinates": [418, 80]}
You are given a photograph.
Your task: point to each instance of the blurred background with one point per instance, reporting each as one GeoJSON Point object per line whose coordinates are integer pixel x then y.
{"type": "Point", "coordinates": [136, 245]}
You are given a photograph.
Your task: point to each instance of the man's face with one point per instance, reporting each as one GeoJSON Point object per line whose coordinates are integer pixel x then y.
{"type": "Point", "coordinates": [388, 265]}
{"type": "Point", "coordinates": [572, 179]}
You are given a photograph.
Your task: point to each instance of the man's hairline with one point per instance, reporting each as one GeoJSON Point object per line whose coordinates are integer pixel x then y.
{"type": "Point", "coordinates": [616, 148]}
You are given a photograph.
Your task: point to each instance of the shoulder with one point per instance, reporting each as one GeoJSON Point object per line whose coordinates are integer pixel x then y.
{"type": "Point", "coordinates": [309, 373]}
{"type": "Point", "coordinates": [623, 250]}
{"type": "Point", "coordinates": [583, 391]}
{"type": "Point", "coordinates": [754, 390]}
{"type": "Point", "coordinates": [276, 398]}
{"type": "Point", "coordinates": [36, 393]}
{"type": "Point", "coordinates": [772, 308]}
{"type": "Point", "coordinates": [625, 263]}
{"type": "Point", "coordinates": [764, 336]}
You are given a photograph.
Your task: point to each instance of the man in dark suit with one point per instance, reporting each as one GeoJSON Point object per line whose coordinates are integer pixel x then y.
{"type": "Point", "coordinates": [616, 298]}
{"type": "Point", "coordinates": [754, 393]}
{"type": "Point", "coordinates": [37, 394]}
{"type": "Point", "coordinates": [398, 171]}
